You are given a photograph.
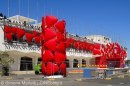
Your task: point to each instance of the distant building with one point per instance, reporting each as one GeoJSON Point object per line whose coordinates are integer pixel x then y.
{"type": "Point", "coordinates": [99, 39]}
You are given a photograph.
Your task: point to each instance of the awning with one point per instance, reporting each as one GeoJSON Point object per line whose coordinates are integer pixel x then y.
{"type": "Point", "coordinates": [22, 19]}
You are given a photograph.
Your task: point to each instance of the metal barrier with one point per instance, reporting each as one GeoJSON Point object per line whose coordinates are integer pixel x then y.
{"type": "Point", "coordinates": [103, 73]}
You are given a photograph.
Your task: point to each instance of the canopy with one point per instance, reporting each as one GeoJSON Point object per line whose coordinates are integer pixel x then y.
{"type": "Point", "coordinates": [22, 19]}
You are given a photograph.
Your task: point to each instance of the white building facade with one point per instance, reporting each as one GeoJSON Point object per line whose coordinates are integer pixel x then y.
{"type": "Point", "coordinates": [25, 55]}
{"type": "Point", "coordinates": [99, 39]}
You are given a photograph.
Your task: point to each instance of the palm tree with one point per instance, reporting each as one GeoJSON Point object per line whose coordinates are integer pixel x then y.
{"type": "Point", "coordinates": [5, 60]}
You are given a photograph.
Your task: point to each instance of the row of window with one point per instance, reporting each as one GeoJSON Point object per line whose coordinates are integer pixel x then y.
{"type": "Point", "coordinates": [27, 63]}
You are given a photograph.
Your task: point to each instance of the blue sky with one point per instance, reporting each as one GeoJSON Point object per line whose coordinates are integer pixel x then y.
{"type": "Point", "coordinates": [83, 17]}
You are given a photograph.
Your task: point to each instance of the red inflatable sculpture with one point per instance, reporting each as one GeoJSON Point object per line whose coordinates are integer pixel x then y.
{"type": "Point", "coordinates": [53, 46]}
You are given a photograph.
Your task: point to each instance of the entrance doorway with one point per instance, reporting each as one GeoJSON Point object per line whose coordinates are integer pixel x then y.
{"type": "Point", "coordinates": [26, 64]}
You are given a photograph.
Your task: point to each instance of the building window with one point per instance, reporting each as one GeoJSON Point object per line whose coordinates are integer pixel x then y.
{"type": "Point", "coordinates": [39, 60]}
{"type": "Point", "coordinates": [67, 63]}
{"type": "Point", "coordinates": [26, 64]}
{"type": "Point", "coordinates": [83, 63]}
{"type": "Point", "coordinates": [75, 63]}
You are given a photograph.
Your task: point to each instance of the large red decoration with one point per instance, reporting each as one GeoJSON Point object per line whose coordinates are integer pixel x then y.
{"type": "Point", "coordinates": [59, 58]}
{"type": "Point", "coordinates": [47, 56]}
{"type": "Point", "coordinates": [29, 37]}
{"type": "Point", "coordinates": [49, 34]}
{"type": "Point", "coordinates": [50, 45]}
{"type": "Point", "coordinates": [60, 26]}
{"type": "Point", "coordinates": [8, 36]}
{"type": "Point", "coordinates": [20, 33]}
{"type": "Point", "coordinates": [106, 53]}
{"type": "Point", "coordinates": [7, 29]}
{"type": "Point", "coordinates": [37, 39]}
{"type": "Point", "coordinates": [63, 68]}
{"type": "Point", "coordinates": [54, 43]}
{"type": "Point", "coordinates": [51, 68]}
{"type": "Point", "coordinates": [50, 21]}
{"type": "Point", "coordinates": [53, 49]}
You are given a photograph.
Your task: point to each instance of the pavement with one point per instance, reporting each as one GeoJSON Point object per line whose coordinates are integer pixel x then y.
{"type": "Point", "coordinates": [70, 80]}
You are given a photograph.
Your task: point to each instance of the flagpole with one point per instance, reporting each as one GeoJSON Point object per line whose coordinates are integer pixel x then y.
{"type": "Point", "coordinates": [8, 8]}
{"type": "Point", "coordinates": [37, 9]}
{"type": "Point", "coordinates": [28, 10]}
{"type": "Point", "coordinates": [19, 7]}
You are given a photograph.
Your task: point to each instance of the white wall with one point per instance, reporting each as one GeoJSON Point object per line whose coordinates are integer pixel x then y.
{"type": "Point", "coordinates": [99, 39]}
{"type": "Point", "coordinates": [72, 52]}
{"type": "Point", "coordinates": [2, 46]}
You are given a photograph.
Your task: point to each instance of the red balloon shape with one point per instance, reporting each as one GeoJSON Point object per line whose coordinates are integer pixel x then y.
{"type": "Point", "coordinates": [35, 33]}
{"type": "Point", "coordinates": [8, 36]}
{"type": "Point", "coordinates": [43, 24]}
{"type": "Point", "coordinates": [29, 37]}
{"type": "Point", "coordinates": [60, 37]}
{"type": "Point", "coordinates": [41, 37]}
{"type": "Point", "coordinates": [14, 30]}
{"type": "Point", "coordinates": [63, 68]}
{"type": "Point", "coordinates": [60, 26]}
{"type": "Point", "coordinates": [96, 52]}
{"type": "Point", "coordinates": [59, 57]}
{"type": "Point", "coordinates": [7, 29]}
{"type": "Point", "coordinates": [51, 68]}
{"type": "Point", "coordinates": [20, 33]}
{"type": "Point", "coordinates": [50, 20]}
{"type": "Point", "coordinates": [43, 69]}
{"type": "Point", "coordinates": [48, 56]}
{"type": "Point", "coordinates": [97, 46]}
{"type": "Point", "coordinates": [37, 39]}
{"type": "Point", "coordinates": [50, 45]}
{"type": "Point", "coordinates": [49, 34]}
{"type": "Point", "coordinates": [68, 43]}
{"type": "Point", "coordinates": [61, 47]}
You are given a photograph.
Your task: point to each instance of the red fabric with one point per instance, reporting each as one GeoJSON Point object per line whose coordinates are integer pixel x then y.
{"type": "Point", "coordinates": [51, 68]}
{"type": "Point", "coordinates": [75, 45]}
{"type": "Point", "coordinates": [35, 33]}
{"type": "Point", "coordinates": [60, 37]}
{"type": "Point", "coordinates": [88, 46]}
{"type": "Point", "coordinates": [14, 30]}
{"type": "Point", "coordinates": [108, 45]}
{"type": "Point", "coordinates": [61, 47]}
{"type": "Point", "coordinates": [7, 29]}
{"type": "Point", "coordinates": [47, 56]}
{"type": "Point", "coordinates": [96, 51]}
{"type": "Point", "coordinates": [91, 47]}
{"type": "Point", "coordinates": [49, 34]}
{"type": "Point", "coordinates": [29, 37]}
{"type": "Point", "coordinates": [20, 33]}
{"type": "Point", "coordinates": [117, 45]}
{"type": "Point", "coordinates": [68, 43]}
{"type": "Point", "coordinates": [59, 57]}
{"type": "Point", "coordinates": [63, 68]}
{"type": "Point", "coordinates": [81, 45]}
{"type": "Point", "coordinates": [84, 45]}
{"type": "Point", "coordinates": [50, 20]}
{"type": "Point", "coordinates": [51, 45]}
{"type": "Point", "coordinates": [97, 46]}
{"type": "Point", "coordinates": [43, 24]}
{"type": "Point", "coordinates": [37, 39]}
{"type": "Point", "coordinates": [60, 26]}
{"type": "Point", "coordinates": [43, 69]}
{"type": "Point", "coordinates": [8, 36]}
{"type": "Point", "coordinates": [41, 37]}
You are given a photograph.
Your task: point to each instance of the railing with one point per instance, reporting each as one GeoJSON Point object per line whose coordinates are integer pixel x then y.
{"type": "Point", "coordinates": [21, 25]}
